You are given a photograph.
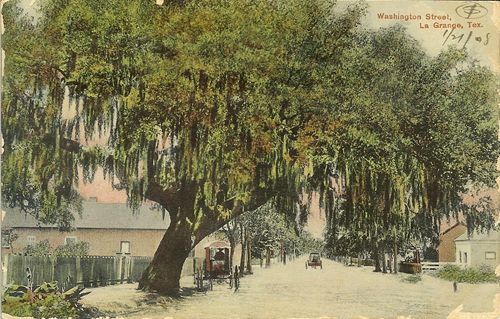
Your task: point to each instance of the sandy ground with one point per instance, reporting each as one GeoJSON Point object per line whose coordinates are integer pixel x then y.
{"type": "Point", "coordinates": [291, 291]}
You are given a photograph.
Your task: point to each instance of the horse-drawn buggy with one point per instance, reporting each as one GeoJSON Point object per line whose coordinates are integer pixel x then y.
{"type": "Point", "coordinates": [217, 266]}
{"type": "Point", "coordinates": [314, 261]}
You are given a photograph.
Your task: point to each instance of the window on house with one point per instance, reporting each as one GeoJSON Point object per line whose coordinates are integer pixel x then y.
{"type": "Point", "coordinates": [490, 255]}
{"type": "Point", "coordinates": [30, 240]}
{"type": "Point", "coordinates": [70, 240]}
{"type": "Point", "coordinates": [125, 247]}
{"type": "Point", "coordinates": [460, 256]}
{"type": "Point", "coordinates": [5, 240]}
{"type": "Point", "coordinates": [465, 257]}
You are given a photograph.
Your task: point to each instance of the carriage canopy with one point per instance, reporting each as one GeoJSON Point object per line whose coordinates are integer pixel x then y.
{"type": "Point", "coordinates": [217, 258]}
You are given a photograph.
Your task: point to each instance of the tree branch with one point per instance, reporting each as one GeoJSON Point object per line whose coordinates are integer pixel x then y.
{"type": "Point", "coordinates": [211, 221]}
{"type": "Point", "coordinates": [168, 198]}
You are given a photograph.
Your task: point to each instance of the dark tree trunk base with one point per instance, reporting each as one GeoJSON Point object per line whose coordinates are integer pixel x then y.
{"type": "Point", "coordinates": [164, 272]}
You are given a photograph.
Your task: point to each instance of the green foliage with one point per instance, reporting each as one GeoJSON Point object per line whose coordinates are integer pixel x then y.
{"type": "Point", "coordinates": [54, 306]}
{"type": "Point", "coordinates": [18, 309]}
{"type": "Point", "coordinates": [40, 249]}
{"type": "Point", "coordinates": [307, 243]}
{"type": "Point", "coordinates": [205, 98]}
{"type": "Point", "coordinates": [80, 248]}
{"type": "Point", "coordinates": [44, 301]}
{"type": "Point", "coordinates": [468, 275]}
{"type": "Point", "coordinates": [9, 236]}
{"type": "Point", "coordinates": [214, 107]}
{"type": "Point", "coordinates": [269, 229]}
{"type": "Point", "coordinates": [406, 146]}
{"type": "Point", "coordinates": [412, 279]}
{"type": "Point", "coordinates": [43, 248]}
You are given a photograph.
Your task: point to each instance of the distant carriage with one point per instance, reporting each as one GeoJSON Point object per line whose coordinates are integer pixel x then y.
{"type": "Point", "coordinates": [314, 261]}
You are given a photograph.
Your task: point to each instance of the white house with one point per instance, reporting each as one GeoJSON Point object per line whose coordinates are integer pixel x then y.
{"type": "Point", "coordinates": [478, 249]}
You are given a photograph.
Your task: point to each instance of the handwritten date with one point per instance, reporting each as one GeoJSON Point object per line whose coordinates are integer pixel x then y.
{"type": "Point", "coordinates": [464, 37]}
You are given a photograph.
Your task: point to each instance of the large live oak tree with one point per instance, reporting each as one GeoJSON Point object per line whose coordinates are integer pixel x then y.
{"type": "Point", "coordinates": [213, 108]}
{"type": "Point", "coordinates": [199, 103]}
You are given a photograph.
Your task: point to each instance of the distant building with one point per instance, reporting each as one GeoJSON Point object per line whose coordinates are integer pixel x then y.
{"type": "Point", "coordinates": [109, 228]}
{"type": "Point", "coordinates": [447, 248]}
{"type": "Point", "coordinates": [478, 249]}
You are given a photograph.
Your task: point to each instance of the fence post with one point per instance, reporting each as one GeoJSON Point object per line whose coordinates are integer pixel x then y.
{"type": "Point", "coordinates": [52, 267]}
{"type": "Point", "coordinates": [5, 268]}
{"type": "Point", "coordinates": [79, 273]}
{"type": "Point", "coordinates": [130, 268]}
{"type": "Point", "coordinates": [119, 268]}
{"type": "Point", "coordinates": [122, 269]}
{"type": "Point", "coordinates": [92, 278]}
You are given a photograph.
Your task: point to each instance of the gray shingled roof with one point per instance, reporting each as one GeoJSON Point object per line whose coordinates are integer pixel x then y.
{"type": "Point", "coordinates": [493, 235]}
{"type": "Point", "coordinates": [96, 215]}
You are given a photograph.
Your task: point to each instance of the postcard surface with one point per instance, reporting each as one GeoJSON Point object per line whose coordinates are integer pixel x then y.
{"type": "Point", "coordinates": [250, 159]}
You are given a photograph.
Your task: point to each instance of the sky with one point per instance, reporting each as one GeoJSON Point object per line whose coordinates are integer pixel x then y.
{"type": "Point", "coordinates": [480, 28]}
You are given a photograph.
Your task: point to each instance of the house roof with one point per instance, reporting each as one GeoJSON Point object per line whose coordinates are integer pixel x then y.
{"type": "Point", "coordinates": [452, 227]}
{"type": "Point", "coordinates": [96, 215]}
{"type": "Point", "coordinates": [493, 235]}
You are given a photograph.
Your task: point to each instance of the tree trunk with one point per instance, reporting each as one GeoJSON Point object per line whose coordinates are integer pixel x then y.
{"type": "Point", "coordinates": [230, 230]}
{"type": "Point", "coordinates": [376, 259]}
{"type": "Point", "coordinates": [243, 248]}
{"type": "Point", "coordinates": [281, 252]}
{"type": "Point", "coordinates": [249, 254]}
{"type": "Point", "coordinates": [268, 256]}
{"type": "Point", "coordinates": [164, 272]}
{"type": "Point", "coordinates": [395, 254]}
{"type": "Point", "coordinates": [231, 254]}
{"type": "Point", "coordinates": [384, 262]}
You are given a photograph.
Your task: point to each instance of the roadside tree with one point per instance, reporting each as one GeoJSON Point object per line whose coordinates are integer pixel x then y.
{"type": "Point", "coordinates": [199, 104]}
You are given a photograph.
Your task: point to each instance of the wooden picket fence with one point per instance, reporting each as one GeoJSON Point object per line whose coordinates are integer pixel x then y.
{"type": "Point", "coordinates": [89, 271]}
{"type": "Point", "coordinates": [430, 266]}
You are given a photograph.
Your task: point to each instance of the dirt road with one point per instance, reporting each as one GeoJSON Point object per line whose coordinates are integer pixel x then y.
{"type": "Point", "coordinates": [291, 291]}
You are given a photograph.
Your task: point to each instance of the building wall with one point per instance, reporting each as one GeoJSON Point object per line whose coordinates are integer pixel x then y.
{"type": "Point", "coordinates": [463, 253]}
{"type": "Point", "coordinates": [447, 248]}
{"type": "Point", "coordinates": [103, 242]}
{"type": "Point", "coordinates": [477, 251]}
{"type": "Point", "coordinates": [106, 242]}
